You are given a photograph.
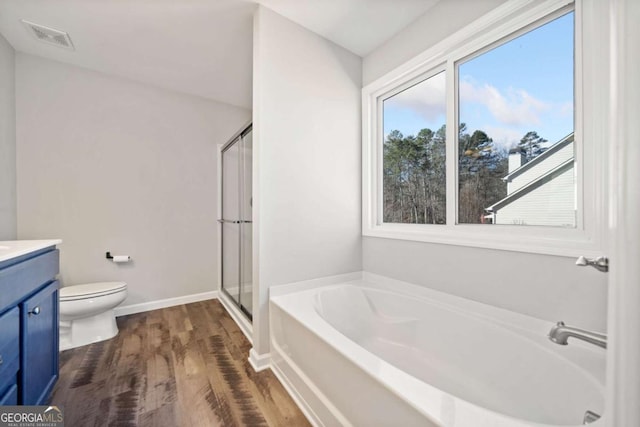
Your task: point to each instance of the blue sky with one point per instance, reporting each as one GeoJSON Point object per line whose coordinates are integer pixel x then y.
{"type": "Point", "coordinates": [523, 85]}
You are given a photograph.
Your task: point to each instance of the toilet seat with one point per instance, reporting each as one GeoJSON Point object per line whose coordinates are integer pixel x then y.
{"type": "Point", "coordinates": [90, 290]}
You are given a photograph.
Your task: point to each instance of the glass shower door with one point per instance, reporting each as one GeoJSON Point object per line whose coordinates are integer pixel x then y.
{"type": "Point", "coordinates": [236, 225]}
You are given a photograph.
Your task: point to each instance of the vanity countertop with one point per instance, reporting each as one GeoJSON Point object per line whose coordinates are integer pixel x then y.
{"type": "Point", "coordinates": [14, 248]}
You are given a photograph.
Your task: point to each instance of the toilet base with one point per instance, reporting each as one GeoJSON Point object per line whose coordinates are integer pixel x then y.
{"type": "Point", "coordinates": [87, 330]}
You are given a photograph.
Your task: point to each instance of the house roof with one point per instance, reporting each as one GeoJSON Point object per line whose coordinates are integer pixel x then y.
{"type": "Point", "coordinates": [536, 183]}
{"type": "Point", "coordinates": [548, 153]}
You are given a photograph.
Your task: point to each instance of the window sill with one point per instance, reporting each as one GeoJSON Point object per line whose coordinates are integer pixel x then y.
{"type": "Point", "coordinates": [531, 239]}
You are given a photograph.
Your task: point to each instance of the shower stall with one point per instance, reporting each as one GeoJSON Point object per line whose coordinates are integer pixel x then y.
{"type": "Point", "coordinates": [235, 221]}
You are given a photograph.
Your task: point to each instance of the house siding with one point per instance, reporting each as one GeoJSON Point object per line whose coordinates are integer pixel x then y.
{"type": "Point", "coordinates": [552, 204]}
{"type": "Point", "coordinates": [551, 162]}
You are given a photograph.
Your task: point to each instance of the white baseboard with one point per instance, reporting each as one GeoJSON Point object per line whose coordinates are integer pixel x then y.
{"type": "Point", "coordinates": [163, 303]}
{"type": "Point", "coordinates": [259, 362]}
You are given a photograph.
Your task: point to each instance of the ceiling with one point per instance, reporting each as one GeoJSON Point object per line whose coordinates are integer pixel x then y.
{"type": "Point", "coordinates": [357, 25]}
{"type": "Point", "coordinates": [198, 47]}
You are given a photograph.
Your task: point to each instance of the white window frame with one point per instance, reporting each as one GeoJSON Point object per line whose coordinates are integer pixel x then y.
{"type": "Point", "coordinates": [511, 19]}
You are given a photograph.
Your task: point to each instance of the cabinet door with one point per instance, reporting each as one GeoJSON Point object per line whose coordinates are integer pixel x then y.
{"type": "Point", "coordinates": [9, 349]}
{"type": "Point", "coordinates": [10, 397]}
{"type": "Point", "coordinates": [39, 347]}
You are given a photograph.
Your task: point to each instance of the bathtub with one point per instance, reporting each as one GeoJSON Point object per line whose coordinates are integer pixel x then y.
{"type": "Point", "coordinates": [371, 351]}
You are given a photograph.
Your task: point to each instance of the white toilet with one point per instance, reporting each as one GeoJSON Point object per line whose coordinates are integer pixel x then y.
{"type": "Point", "coordinates": [86, 312]}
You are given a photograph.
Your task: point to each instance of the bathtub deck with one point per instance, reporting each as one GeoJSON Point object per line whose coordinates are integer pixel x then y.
{"type": "Point", "coordinates": [180, 366]}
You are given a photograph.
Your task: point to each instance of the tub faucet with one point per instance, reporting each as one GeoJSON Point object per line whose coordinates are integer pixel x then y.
{"type": "Point", "coordinates": [560, 333]}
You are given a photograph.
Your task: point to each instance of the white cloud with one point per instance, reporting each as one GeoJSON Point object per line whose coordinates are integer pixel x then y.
{"type": "Point", "coordinates": [516, 108]}
{"type": "Point", "coordinates": [503, 136]}
{"type": "Point", "coordinates": [427, 99]}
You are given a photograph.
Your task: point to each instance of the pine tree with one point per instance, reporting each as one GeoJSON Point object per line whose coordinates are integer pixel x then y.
{"type": "Point", "coordinates": [531, 145]}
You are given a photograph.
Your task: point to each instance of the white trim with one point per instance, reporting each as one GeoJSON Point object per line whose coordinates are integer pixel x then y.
{"type": "Point", "coordinates": [259, 362]}
{"type": "Point", "coordinates": [500, 237]}
{"type": "Point", "coordinates": [237, 315]}
{"type": "Point", "coordinates": [623, 370]}
{"type": "Point", "coordinates": [260, 290]}
{"type": "Point", "coordinates": [592, 121]}
{"type": "Point", "coordinates": [164, 303]}
{"type": "Point", "coordinates": [451, 149]}
{"type": "Point", "coordinates": [511, 18]}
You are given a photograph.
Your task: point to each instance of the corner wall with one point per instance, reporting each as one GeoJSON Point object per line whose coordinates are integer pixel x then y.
{"type": "Point", "coordinates": [546, 287]}
{"type": "Point", "coordinates": [307, 159]}
{"type": "Point", "coordinates": [107, 164]}
{"type": "Point", "coordinates": [7, 142]}
{"type": "Point", "coordinates": [440, 21]}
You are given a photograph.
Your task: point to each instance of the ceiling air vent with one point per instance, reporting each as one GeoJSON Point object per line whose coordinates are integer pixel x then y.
{"type": "Point", "coordinates": [49, 35]}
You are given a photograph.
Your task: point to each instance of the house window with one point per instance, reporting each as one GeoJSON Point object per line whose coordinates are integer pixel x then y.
{"type": "Point", "coordinates": [489, 139]}
{"type": "Point", "coordinates": [516, 130]}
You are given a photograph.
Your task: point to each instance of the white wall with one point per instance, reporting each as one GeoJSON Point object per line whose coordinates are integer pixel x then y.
{"type": "Point", "coordinates": [107, 164]}
{"type": "Point", "coordinates": [307, 157]}
{"type": "Point", "coordinates": [442, 20]}
{"type": "Point", "coordinates": [7, 142]}
{"type": "Point", "coordinates": [547, 287]}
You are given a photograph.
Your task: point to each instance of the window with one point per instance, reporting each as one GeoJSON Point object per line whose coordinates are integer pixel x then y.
{"type": "Point", "coordinates": [480, 140]}
{"type": "Point", "coordinates": [515, 130]}
{"type": "Point", "coordinates": [414, 177]}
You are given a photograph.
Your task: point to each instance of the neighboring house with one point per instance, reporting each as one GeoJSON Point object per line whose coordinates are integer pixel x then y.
{"type": "Point", "coordinates": [541, 191]}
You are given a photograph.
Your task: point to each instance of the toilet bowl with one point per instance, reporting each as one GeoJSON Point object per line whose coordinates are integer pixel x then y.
{"type": "Point", "coordinates": [86, 312]}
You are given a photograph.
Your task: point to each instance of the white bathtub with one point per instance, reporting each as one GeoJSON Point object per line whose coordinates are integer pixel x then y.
{"type": "Point", "coordinates": [359, 354]}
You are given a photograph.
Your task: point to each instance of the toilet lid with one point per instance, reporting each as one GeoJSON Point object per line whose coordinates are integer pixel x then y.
{"type": "Point", "coordinates": [89, 290]}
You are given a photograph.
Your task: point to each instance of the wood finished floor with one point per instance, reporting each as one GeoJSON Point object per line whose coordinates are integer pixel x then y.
{"type": "Point", "coordinates": [179, 366]}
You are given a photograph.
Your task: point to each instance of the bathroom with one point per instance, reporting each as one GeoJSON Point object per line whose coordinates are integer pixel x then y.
{"type": "Point", "coordinates": [114, 147]}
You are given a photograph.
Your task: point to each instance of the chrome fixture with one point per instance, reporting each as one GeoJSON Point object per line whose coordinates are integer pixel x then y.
{"type": "Point", "coordinates": [560, 333]}
{"type": "Point", "coordinates": [601, 263]}
{"type": "Point", "coordinates": [590, 417]}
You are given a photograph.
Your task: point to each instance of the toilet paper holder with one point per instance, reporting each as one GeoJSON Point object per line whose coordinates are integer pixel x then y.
{"type": "Point", "coordinates": [118, 258]}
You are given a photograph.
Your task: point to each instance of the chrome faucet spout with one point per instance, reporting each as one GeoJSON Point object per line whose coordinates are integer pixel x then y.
{"type": "Point", "coordinates": [561, 333]}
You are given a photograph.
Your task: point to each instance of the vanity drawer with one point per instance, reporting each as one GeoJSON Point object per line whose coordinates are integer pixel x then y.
{"type": "Point", "coordinates": [9, 347]}
{"type": "Point", "coordinates": [23, 278]}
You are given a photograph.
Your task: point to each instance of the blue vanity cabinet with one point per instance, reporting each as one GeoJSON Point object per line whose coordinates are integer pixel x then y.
{"type": "Point", "coordinates": [29, 311]}
{"type": "Point", "coordinates": [9, 355]}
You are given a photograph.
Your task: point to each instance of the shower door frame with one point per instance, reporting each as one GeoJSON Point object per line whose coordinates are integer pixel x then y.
{"type": "Point", "coordinates": [241, 316]}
